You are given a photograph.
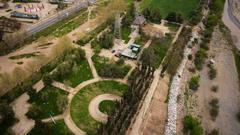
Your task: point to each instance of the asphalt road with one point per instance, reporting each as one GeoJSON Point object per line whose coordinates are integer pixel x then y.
{"type": "Point", "coordinates": [232, 23]}
{"type": "Point", "coordinates": [57, 17]}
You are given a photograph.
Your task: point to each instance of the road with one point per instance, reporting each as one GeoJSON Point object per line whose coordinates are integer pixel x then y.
{"type": "Point", "coordinates": [57, 17]}
{"type": "Point", "coordinates": [232, 23]}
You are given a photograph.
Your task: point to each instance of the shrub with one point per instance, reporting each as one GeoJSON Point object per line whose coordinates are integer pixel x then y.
{"type": "Point", "coordinates": [200, 57]}
{"type": "Point", "coordinates": [238, 116]}
{"type": "Point", "coordinates": [193, 84]}
{"type": "Point", "coordinates": [106, 40]}
{"type": "Point", "coordinates": [192, 125]}
{"type": "Point", "coordinates": [214, 88]}
{"type": "Point", "coordinates": [214, 132]}
{"type": "Point", "coordinates": [62, 102]}
{"type": "Point", "coordinates": [105, 68]}
{"type": "Point", "coordinates": [214, 108]}
{"type": "Point", "coordinates": [120, 61]}
{"type": "Point", "coordinates": [47, 79]}
{"type": "Point", "coordinates": [7, 117]}
{"type": "Point", "coordinates": [212, 73]}
{"type": "Point", "coordinates": [34, 111]}
{"type": "Point", "coordinates": [32, 94]}
{"type": "Point", "coordinates": [190, 57]}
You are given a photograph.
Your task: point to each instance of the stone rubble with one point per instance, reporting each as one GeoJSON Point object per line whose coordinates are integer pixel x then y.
{"type": "Point", "coordinates": [171, 127]}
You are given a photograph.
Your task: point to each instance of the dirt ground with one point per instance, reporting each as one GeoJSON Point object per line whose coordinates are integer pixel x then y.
{"type": "Point", "coordinates": [20, 108]}
{"type": "Point", "coordinates": [228, 90]}
{"type": "Point", "coordinates": [156, 118]}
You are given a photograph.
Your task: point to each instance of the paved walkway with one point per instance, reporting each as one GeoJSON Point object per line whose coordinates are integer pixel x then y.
{"type": "Point", "coordinates": [39, 85]}
{"type": "Point", "coordinates": [55, 118]}
{"type": "Point", "coordinates": [62, 86]}
{"type": "Point", "coordinates": [93, 107]}
{"type": "Point", "coordinates": [20, 107]}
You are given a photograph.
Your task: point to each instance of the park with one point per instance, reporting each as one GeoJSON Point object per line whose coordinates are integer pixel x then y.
{"type": "Point", "coordinates": [73, 76]}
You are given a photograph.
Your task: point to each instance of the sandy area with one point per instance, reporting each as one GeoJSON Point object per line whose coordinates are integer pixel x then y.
{"type": "Point", "coordinates": [20, 108]}
{"type": "Point", "coordinates": [156, 117]}
{"type": "Point", "coordinates": [228, 92]}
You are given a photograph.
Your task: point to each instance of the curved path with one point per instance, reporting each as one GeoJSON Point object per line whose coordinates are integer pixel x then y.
{"type": "Point", "coordinates": [93, 107]}
{"type": "Point", "coordinates": [67, 115]}
{"type": "Point", "coordinates": [229, 20]}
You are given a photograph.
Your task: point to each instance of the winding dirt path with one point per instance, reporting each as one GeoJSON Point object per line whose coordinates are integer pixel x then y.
{"type": "Point", "coordinates": [93, 107]}
{"type": "Point", "coordinates": [20, 108]}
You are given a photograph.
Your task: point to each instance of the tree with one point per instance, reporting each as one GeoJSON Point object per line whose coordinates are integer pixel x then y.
{"type": "Point", "coordinates": [7, 117]}
{"type": "Point", "coordinates": [12, 39]}
{"type": "Point", "coordinates": [192, 125]}
{"type": "Point", "coordinates": [174, 17]}
{"type": "Point", "coordinates": [129, 17]}
{"type": "Point", "coordinates": [62, 45]}
{"type": "Point", "coordinates": [148, 57]}
{"type": "Point", "coordinates": [193, 84]}
{"type": "Point", "coordinates": [151, 15]}
{"type": "Point", "coordinates": [106, 40]}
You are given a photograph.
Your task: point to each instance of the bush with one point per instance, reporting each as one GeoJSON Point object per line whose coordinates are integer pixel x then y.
{"type": "Point", "coordinates": [84, 40]}
{"type": "Point", "coordinates": [192, 125]}
{"type": "Point", "coordinates": [47, 79]}
{"type": "Point", "coordinates": [214, 108]}
{"type": "Point", "coordinates": [7, 117]}
{"type": "Point", "coordinates": [214, 88]}
{"type": "Point", "coordinates": [106, 40]}
{"type": "Point", "coordinates": [193, 84]}
{"type": "Point", "coordinates": [34, 111]}
{"type": "Point", "coordinates": [200, 57]}
{"type": "Point", "coordinates": [190, 57]}
{"type": "Point", "coordinates": [238, 116]}
{"type": "Point", "coordinates": [212, 73]}
{"type": "Point", "coordinates": [120, 61]}
{"type": "Point", "coordinates": [105, 68]}
{"type": "Point", "coordinates": [214, 132]}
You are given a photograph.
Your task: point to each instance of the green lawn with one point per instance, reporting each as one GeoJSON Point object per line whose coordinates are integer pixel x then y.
{"type": "Point", "coordinates": [46, 101]}
{"type": "Point", "coordinates": [80, 73]}
{"type": "Point", "coordinates": [160, 47]}
{"type": "Point", "coordinates": [59, 128]}
{"type": "Point", "coordinates": [80, 102]}
{"type": "Point", "coordinates": [64, 26]}
{"type": "Point", "coordinates": [71, 25]}
{"type": "Point", "coordinates": [125, 33]}
{"type": "Point", "coordinates": [107, 106]}
{"type": "Point", "coordinates": [102, 63]}
{"type": "Point", "coordinates": [165, 6]}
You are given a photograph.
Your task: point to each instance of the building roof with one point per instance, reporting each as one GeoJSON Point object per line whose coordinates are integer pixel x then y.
{"type": "Point", "coordinates": [131, 51]}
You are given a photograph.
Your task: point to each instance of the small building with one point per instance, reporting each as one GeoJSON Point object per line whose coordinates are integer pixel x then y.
{"type": "Point", "coordinates": [24, 15]}
{"type": "Point", "coordinates": [131, 52]}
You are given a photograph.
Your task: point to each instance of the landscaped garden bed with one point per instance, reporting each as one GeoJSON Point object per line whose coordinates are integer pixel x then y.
{"type": "Point", "coordinates": [48, 102]}
{"type": "Point", "coordinates": [107, 68]}
{"type": "Point", "coordinates": [80, 72]}
{"type": "Point", "coordinates": [58, 128]}
{"type": "Point", "coordinates": [79, 105]}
